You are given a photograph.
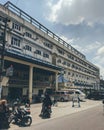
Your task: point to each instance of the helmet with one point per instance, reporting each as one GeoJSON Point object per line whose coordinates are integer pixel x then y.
{"type": "Point", "coordinates": [4, 101]}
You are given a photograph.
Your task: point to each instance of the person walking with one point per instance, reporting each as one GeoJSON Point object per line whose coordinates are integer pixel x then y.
{"type": "Point", "coordinates": [75, 99]}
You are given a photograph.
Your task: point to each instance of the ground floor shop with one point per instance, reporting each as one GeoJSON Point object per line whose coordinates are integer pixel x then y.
{"type": "Point", "coordinates": [30, 77]}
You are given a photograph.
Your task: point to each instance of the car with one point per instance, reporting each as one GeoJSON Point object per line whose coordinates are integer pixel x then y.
{"type": "Point", "coordinates": [96, 95]}
{"type": "Point", "coordinates": [78, 92]}
{"type": "Point", "coordinates": [61, 95]}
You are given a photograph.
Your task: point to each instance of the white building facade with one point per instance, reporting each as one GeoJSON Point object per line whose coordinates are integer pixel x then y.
{"type": "Point", "coordinates": [39, 56]}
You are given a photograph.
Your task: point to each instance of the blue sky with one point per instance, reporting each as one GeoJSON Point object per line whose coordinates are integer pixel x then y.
{"type": "Point", "coordinates": [78, 22]}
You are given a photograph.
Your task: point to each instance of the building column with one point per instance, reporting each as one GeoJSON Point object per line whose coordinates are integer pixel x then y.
{"type": "Point", "coordinates": [30, 82]}
{"type": "Point", "coordinates": [56, 81]}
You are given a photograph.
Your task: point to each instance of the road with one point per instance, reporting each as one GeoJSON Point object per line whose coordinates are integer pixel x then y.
{"type": "Point", "coordinates": [91, 119]}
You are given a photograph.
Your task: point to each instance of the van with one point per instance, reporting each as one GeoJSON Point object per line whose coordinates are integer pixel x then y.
{"type": "Point", "coordinates": [61, 95]}
{"type": "Point", "coordinates": [80, 94]}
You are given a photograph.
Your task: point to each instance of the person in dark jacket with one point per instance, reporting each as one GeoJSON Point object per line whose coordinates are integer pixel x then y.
{"type": "Point", "coordinates": [46, 102]}
{"type": "Point", "coordinates": [4, 110]}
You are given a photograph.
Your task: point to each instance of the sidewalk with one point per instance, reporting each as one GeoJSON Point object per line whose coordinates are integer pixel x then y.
{"type": "Point", "coordinates": [63, 108]}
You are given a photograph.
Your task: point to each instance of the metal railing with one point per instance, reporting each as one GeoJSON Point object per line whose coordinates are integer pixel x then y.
{"type": "Point", "coordinates": [33, 21]}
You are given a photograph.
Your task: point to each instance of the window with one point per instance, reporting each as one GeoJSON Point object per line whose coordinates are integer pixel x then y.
{"type": "Point", "coordinates": [59, 60]}
{"type": "Point", "coordinates": [70, 92]}
{"type": "Point", "coordinates": [77, 92]}
{"type": "Point", "coordinates": [16, 26]}
{"type": "Point", "coordinates": [1, 37]}
{"type": "Point", "coordinates": [73, 66]}
{"type": "Point", "coordinates": [64, 63]}
{"type": "Point", "coordinates": [72, 74]}
{"type": "Point", "coordinates": [49, 45]}
{"type": "Point", "coordinates": [2, 20]}
{"type": "Point", "coordinates": [15, 41]}
{"type": "Point", "coordinates": [27, 34]}
{"type": "Point", "coordinates": [1, 33]}
{"type": "Point", "coordinates": [68, 73]}
{"type": "Point", "coordinates": [45, 55]}
{"type": "Point", "coordinates": [68, 64]}
{"type": "Point", "coordinates": [38, 52]}
{"type": "Point", "coordinates": [60, 51]}
{"type": "Point", "coordinates": [70, 56]}
{"type": "Point", "coordinates": [27, 47]}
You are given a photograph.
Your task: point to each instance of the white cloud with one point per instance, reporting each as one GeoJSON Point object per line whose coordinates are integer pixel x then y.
{"type": "Point", "coordinates": [101, 51]}
{"type": "Point", "coordinates": [99, 59]}
{"type": "Point", "coordinates": [88, 48]}
{"type": "Point", "coordinates": [76, 11]}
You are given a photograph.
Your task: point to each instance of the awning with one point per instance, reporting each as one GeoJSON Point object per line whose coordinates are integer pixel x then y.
{"type": "Point", "coordinates": [61, 79]}
{"type": "Point", "coordinates": [28, 58]}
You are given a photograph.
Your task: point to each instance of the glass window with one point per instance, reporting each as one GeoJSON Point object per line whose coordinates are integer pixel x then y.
{"type": "Point", "coordinates": [27, 34]}
{"type": "Point", "coordinates": [60, 51]}
{"type": "Point", "coordinates": [38, 52]}
{"type": "Point", "coordinates": [16, 26]}
{"type": "Point", "coordinates": [64, 62]}
{"type": "Point", "coordinates": [70, 92]}
{"type": "Point", "coordinates": [27, 47]}
{"type": "Point", "coordinates": [1, 33]}
{"type": "Point", "coordinates": [45, 55]}
{"type": "Point", "coordinates": [77, 92]}
{"type": "Point", "coordinates": [15, 41]}
{"type": "Point", "coordinates": [59, 60]}
{"type": "Point", "coordinates": [49, 45]}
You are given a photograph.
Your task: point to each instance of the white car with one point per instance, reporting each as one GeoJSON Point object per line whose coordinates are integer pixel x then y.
{"type": "Point", "coordinates": [78, 92]}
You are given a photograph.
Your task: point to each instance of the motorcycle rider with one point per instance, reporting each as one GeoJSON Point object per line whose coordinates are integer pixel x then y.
{"type": "Point", "coordinates": [46, 102]}
{"type": "Point", "coordinates": [16, 104]}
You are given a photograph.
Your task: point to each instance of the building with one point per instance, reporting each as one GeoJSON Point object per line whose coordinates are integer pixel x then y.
{"type": "Point", "coordinates": [39, 57]}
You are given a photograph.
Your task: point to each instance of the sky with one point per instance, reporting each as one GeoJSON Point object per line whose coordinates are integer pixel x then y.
{"type": "Point", "coordinates": [79, 22]}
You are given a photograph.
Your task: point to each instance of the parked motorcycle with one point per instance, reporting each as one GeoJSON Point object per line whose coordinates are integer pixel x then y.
{"type": "Point", "coordinates": [21, 116]}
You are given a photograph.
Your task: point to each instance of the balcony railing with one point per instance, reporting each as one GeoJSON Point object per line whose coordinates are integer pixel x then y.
{"type": "Point", "coordinates": [33, 21]}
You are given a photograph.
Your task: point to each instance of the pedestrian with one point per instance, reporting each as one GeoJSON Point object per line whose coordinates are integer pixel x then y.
{"type": "Point", "coordinates": [55, 102]}
{"type": "Point", "coordinates": [4, 110]}
{"type": "Point", "coordinates": [75, 99]}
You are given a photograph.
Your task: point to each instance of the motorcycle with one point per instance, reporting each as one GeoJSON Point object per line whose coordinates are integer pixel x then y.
{"type": "Point", "coordinates": [46, 112]}
{"type": "Point", "coordinates": [21, 116]}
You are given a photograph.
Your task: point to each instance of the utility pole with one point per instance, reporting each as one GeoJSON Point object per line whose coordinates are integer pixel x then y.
{"type": "Point", "coordinates": [3, 43]}
{"type": "Point", "coordinates": [2, 49]}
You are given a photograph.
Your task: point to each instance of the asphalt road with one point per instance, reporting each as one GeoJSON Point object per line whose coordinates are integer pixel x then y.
{"type": "Point", "coordinates": [91, 119]}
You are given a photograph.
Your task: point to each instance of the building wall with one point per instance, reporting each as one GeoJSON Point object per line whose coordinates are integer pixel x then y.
{"type": "Point", "coordinates": [26, 38]}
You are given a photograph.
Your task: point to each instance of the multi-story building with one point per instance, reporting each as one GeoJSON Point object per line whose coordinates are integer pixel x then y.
{"type": "Point", "coordinates": [39, 56]}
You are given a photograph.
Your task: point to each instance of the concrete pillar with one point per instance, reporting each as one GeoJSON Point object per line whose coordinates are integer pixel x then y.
{"type": "Point", "coordinates": [56, 81]}
{"type": "Point", "coordinates": [30, 82]}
